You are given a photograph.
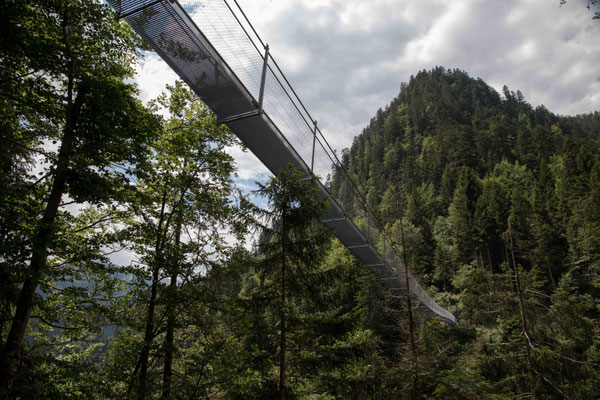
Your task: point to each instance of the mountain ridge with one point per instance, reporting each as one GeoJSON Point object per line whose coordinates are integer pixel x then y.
{"type": "Point", "coordinates": [446, 130]}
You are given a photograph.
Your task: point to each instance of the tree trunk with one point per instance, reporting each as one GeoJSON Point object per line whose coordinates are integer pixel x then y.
{"type": "Point", "coordinates": [527, 339]}
{"type": "Point", "coordinates": [149, 333]}
{"type": "Point", "coordinates": [282, 344]}
{"type": "Point", "coordinates": [477, 258]}
{"type": "Point", "coordinates": [411, 323]}
{"type": "Point", "coordinates": [11, 352]}
{"type": "Point", "coordinates": [169, 338]}
{"type": "Point", "coordinates": [169, 342]}
{"type": "Point", "coordinates": [550, 275]}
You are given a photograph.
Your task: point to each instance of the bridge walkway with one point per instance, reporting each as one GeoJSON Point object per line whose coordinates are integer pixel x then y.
{"type": "Point", "coordinates": [213, 47]}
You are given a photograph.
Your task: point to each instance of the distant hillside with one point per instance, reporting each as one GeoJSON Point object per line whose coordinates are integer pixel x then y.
{"type": "Point", "coordinates": [464, 161]}
{"type": "Point", "coordinates": [497, 207]}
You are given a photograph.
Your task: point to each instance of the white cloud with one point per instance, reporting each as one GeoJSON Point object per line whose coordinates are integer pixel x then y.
{"type": "Point", "coordinates": [250, 169]}
{"type": "Point", "coordinates": [355, 54]}
{"type": "Point", "coordinates": [347, 58]}
{"type": "Point", "coordinates": [153, 74]}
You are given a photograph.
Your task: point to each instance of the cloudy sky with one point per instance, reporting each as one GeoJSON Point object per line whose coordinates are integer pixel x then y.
{"type": "Point", "coordinates": [347, 58]}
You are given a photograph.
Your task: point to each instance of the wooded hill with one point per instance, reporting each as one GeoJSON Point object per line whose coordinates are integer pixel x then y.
{"type": "Point", "coordinates": [500, 206]}
{"type": "Point", "coordinates": [463, 164]}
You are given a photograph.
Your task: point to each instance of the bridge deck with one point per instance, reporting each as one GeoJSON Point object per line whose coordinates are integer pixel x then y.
{"type": "Point", "coordinates": [214, 54]}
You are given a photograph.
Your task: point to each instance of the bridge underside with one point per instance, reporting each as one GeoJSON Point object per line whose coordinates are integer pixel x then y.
{"type": "Point", "coordinates": [220, 63]}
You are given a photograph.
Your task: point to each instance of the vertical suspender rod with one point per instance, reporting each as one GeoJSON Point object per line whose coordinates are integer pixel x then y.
{"type": "Point", "coordinates": [261, 94]}
{"type": "Point", "coordinates": [312, 160]}
{"type": "Point", "coordinates": [262, 79]}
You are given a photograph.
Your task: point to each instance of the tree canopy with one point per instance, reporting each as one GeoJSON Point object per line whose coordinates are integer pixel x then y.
{"type": "Point", "coordinates": [126, 269]}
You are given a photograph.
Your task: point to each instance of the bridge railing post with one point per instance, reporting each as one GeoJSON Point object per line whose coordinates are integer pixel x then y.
{"type": "Point", "coordinates": [368, 225]}
{"type": "Point", "coordinates": [263, 77]}
{"type": "Point", "coordinates": [346, 196]}
{"type": "Point", "coordinates": [312, 160]}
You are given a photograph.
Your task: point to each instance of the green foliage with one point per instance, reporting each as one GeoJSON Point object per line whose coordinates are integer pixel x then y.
{"type": "Point", "coordinates": [492, 184]}
{"type": "Point", "coordinates": [181, 211]}
{"type": "Point", "coordinates": [70, 115]}
{"type": "Point", "coordinates": [498, 205]}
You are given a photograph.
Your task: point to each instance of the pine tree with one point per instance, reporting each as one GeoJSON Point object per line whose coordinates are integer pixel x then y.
{"type": "Point", "coordinates": [293, 245]}
{"type": "Point", "coordinates": [462, 214]}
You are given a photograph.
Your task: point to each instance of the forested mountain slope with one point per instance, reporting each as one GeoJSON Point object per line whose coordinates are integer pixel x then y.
{"type": "Point", "coordinates": [467, 161]}
{"type": "Point", "coordinates": [500, 207]}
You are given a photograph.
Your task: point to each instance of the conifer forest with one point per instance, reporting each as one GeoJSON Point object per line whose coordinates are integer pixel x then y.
{"type": "Point", "coordinates": [133, 267]}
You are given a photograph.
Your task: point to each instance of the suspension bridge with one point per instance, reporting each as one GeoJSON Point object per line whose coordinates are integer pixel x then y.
{"type": "Point", "coordinates": [214, 48]}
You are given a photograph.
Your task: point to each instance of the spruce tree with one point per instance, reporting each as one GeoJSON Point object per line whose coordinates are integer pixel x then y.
{"type": "Point", "coordinates": [292, 246]}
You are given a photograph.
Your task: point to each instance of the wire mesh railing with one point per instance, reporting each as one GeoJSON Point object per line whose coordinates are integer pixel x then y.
{"type": "Point", "coordinates": [223, 25]}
